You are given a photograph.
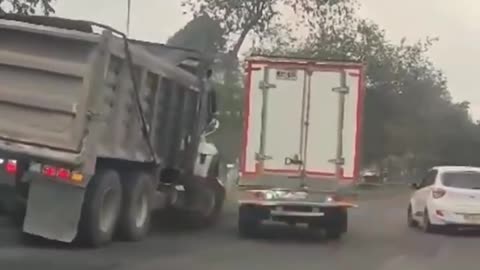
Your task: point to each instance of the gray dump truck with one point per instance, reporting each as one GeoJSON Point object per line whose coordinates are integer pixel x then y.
{"type": "Point", "coordinates": [97, 131]}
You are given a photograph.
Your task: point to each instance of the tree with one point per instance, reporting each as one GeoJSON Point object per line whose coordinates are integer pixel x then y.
{"type": "Point", "coordinates": [240, 18]}
{"type": "Point", "coordinates": [26, 7]}
{"type": "Point", "coordinates": [203, 34]}
{"type": "Point", "coordinates": [408, 108]}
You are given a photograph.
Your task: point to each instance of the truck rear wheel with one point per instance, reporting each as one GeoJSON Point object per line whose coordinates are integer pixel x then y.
{"type": "Point", "coordinates": [248, 223]}
{"type": "Point", "coordinates": [338, 226]}
{"type": "Point", "coordinates": [137, 205]}
{"type": "Point", "coordinates": [101, 208]}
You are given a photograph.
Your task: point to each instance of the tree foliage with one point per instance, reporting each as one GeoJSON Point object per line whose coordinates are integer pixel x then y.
{"type": "Point", "coordinates": [409, 113]}
{"type": "Point", "coordinates": [261, 17]}
{"type": "Point", "coordinates": [202, 33]}
{"type": "Point", "coordinates": [408, 108]}
{"type": "Point", "coordinates": [27, 7]}
{"type": "Point", "coordinates": [240, 18]}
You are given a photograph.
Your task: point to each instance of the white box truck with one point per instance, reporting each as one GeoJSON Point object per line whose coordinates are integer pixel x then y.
{"type": "Point", "coordinates": [301, 142]}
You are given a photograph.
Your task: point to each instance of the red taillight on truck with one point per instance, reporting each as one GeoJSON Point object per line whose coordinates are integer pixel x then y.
{"type": "Point", "coordinates": [63, 174]}
{"type": "Point", "coordinates": [49, 171]}
{"type": "Point", "coordinates": [11, 166]}
{"type": "Point", "coordinates": [60, 173]}
{"type": "Point", "coordinates": [438, 193]}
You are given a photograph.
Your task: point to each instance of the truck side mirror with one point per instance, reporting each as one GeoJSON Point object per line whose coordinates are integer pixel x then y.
{"type": "Point", "coordinates": [212, 127]}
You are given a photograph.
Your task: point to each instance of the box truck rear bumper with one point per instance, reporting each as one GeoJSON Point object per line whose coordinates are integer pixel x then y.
{"type": "Point", "coordinates": [293, 213]}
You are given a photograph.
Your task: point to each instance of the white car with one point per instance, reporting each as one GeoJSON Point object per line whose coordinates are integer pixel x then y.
{"type": "Point", "coordinates": [446, 197]}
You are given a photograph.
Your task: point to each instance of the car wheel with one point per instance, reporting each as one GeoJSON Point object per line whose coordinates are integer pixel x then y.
{"type": "Point", "coordinates": [427, 225]}
{"type": "Point", "coordinates": [412, 223]}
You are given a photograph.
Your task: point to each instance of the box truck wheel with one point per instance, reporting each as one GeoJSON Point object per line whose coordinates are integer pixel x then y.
{"type": "Point", "coordinates": [101, 208]}
{"type": "Point", "coordinates": [248, 223]}
{"type": "Point", "coordinates": [137, 205]}
{"type": "Point", "coordinates": [338, 224]}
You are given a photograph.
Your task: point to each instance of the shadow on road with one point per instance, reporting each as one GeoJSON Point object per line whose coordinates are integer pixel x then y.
{"type": "Point", "coordinates": [463, 233]}
{"type": "Point", "coordinates": [279, 233]}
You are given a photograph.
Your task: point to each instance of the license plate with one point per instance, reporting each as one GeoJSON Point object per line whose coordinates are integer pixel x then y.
{"type": "Point", "coordinates": [472, 218]}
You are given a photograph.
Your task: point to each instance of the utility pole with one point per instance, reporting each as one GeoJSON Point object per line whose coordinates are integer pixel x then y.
{"type": "Point", "coordinates": [129, 8]}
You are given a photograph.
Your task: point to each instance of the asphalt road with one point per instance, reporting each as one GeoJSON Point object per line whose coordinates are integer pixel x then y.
{"type": "Point", "coordinates": [378, 238]}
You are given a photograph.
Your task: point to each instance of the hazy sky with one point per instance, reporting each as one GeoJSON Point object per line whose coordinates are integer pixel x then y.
{"type": "Point", "coordinates": [454, 22]}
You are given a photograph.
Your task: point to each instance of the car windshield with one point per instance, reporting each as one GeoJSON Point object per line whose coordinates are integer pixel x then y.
{"type": "Point", "coordinates": [466, 180]}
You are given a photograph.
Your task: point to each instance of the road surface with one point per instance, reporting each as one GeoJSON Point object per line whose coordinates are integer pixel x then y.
{"type": "Point", "coordinates": [378, 239]}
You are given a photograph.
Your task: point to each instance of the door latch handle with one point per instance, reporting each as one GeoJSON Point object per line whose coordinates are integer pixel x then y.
{"type": "Point", "coordinates": [293, 161]}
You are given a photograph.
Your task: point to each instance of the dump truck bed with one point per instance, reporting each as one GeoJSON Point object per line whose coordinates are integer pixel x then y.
{"type": "Point", "coordinates": [64, 92]}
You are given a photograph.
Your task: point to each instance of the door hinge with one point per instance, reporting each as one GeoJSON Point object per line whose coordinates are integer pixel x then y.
{"type": "Point", "coordinates": [265, 85]}
{"type": "Point", "coordinates": [261, 157]}
{"type": "Point", "coordinates": [341, 90]}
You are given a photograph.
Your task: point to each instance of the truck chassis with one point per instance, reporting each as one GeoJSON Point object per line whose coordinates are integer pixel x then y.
{"type": "Point", "coordinates": [295, 208]}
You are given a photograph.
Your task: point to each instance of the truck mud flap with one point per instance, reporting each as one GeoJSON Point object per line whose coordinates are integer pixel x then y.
{"type": "Point", "coordinates": [53, 210]}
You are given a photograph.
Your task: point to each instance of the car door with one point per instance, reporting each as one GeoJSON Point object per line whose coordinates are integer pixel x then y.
{"type": "Point", "coordinates": [423, 191]}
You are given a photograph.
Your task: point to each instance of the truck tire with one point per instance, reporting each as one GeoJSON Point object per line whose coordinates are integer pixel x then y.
{"type": "Point", "coordinates": [338, 226]}
{"type": "Point", "coordinates": [206, 196]}
{"type": "Point", "coordinates": [247, 222]}
{"type": "Point", "coordinates": [101, 208]}
{"type": "Point", "coordinates": [135, 218]}
{"type": "Point", "coordinates": [209, 198]}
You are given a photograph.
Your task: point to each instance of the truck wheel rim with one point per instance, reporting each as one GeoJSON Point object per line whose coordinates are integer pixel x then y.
{"type": "Point", "coordinates": [141, 210]}
{"type": "Point", "coordinates": [108, 210]}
